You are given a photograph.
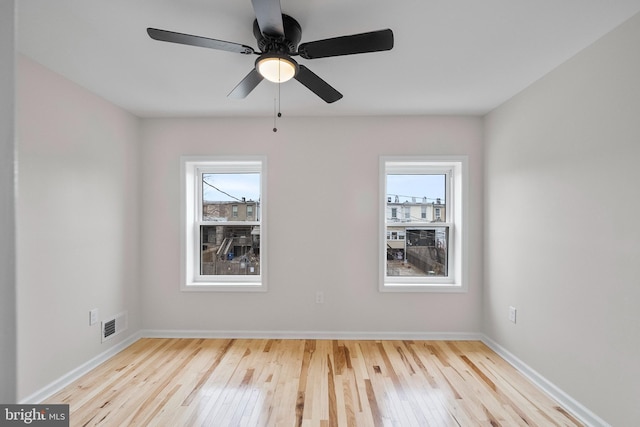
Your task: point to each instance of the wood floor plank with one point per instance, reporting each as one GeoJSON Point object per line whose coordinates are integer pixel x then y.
{"type": "Point", "coordinates": [275, 382]}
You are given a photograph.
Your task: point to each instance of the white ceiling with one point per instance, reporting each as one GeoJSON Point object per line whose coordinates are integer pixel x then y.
{"type": "Point", "coordinates": [450, 56]}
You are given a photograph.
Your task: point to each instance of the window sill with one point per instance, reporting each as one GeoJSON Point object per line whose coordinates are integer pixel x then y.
{"type": "Point", "coordinates": [421, 287]}
{"type": "Point", "coordinates": [224, 287]}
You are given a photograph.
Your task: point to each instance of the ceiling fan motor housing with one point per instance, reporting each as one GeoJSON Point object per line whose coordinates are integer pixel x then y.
{"type": "Point", "coordinates": [286, 45]}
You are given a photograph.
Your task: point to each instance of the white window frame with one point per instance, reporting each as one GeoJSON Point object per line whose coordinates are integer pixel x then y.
{"type": "Point", "coordinates": [456, 220]}
{"type": "Point", "coordinates": [191, 212]}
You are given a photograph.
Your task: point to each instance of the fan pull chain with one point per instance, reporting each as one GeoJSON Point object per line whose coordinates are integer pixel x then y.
{"type": "Point", "coordinates": [275, 129]}
{"type": "Point", "coordinates": [276, 100]}
{"type": "Point", "coordinates": [279, 98]}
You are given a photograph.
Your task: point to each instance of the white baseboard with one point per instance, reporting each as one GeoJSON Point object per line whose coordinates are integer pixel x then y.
{"type": "Point", "coordinates": [566, 401]}
{"type": "Point", "coordinates": [68, 378]}
{"type": "Point", "coordinates": [329, 335]}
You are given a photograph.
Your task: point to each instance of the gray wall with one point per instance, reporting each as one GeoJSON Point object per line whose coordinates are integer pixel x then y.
{"type": "Point", "coordinates": [7, 206]}
{"type": "Point", "coordinates": [562, 227]}
{"type": "Point", "coordinates": [77, 223]}
{"type": "Point", "coordinates": [323, 219]}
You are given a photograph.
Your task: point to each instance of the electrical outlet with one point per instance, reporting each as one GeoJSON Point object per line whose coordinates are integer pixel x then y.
{"type": "Point", "coordinates": [512, 314]}
{"type": "Point", "coordinates": [319, 297]}
{"type": "Point", "coordinates": [93, 316]}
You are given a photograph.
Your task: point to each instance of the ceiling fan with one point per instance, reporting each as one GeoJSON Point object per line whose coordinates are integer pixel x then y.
{"type": "Point", "coordinates": [278, 36]}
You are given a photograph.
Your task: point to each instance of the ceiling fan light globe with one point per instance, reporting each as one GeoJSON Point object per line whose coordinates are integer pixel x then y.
{"type": "Point", "coordinates": [276, 69]}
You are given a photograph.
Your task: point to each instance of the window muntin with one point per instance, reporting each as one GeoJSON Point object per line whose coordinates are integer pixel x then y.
{"type": "Point", "coordinates": [223, 231]}
{"type": "Point", "coordinates": [422, 201]}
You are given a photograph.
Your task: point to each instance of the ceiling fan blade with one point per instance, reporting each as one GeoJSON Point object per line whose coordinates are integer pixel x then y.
{"type": "Point", "coordinates": [269, 17]}
{"type": "Point", "coordinates": [374, 41]}
{"type": "Point", "coordinates": [316, 85]}
{"type": "Point", "coordinates": [173, 37]}
{"type": "Point", "coordinates": [247, 84]}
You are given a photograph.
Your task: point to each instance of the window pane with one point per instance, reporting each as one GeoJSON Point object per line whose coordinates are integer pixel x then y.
{"type": "Point", "coordinates": [414, 250]}
{"type": "Point", "coordinates": [421, 252]}
{"type": "Point", "coordinates": [415, 189]}
{"type": "Point", "coordinates": [230, 250]}
{"type": "Point", "coordinates": [230, 196]}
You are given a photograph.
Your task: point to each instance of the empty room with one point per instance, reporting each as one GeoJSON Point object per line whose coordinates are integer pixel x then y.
{"type": "Point", "coordinates": [279, 213]}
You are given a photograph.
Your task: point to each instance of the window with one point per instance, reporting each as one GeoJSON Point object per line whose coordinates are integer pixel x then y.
{"type": "Point", "coordinates": [430, 191]}
{"type": "Point", "coordinates": [223, 233]}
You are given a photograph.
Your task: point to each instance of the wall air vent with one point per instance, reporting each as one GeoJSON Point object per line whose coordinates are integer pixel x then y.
{"type": "Point", "coordinates": [113, 326]}
{"type": "Point", "coordinates": [109, 328]}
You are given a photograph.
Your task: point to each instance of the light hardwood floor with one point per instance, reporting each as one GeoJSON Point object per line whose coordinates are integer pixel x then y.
{"type": "Point", "coordinates": [273, 382]}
